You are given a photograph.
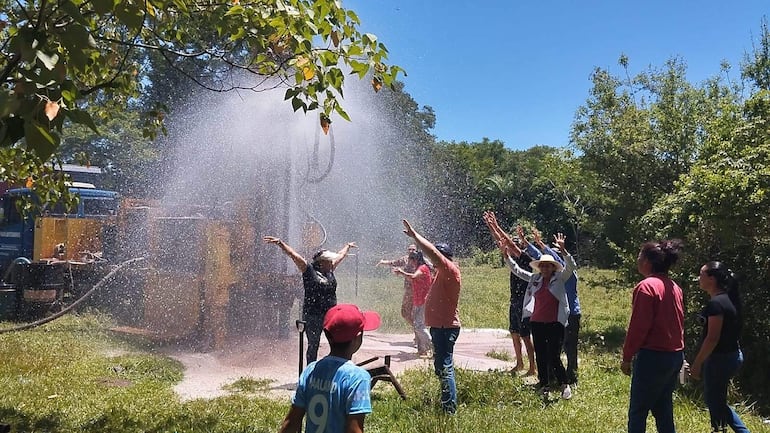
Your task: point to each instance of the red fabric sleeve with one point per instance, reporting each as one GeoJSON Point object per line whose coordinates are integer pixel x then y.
{"type": "Point", "coordinates": [642, 314]}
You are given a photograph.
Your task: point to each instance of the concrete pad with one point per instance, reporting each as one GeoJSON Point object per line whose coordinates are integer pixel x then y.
{"type": "Point", "coordinates": [278, 359]}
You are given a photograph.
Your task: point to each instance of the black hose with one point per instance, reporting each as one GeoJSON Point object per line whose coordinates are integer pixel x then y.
{"type": "Point", "coordinates": [12, 266]}
{"type": "Point", "coordinates": [74, 304]}
{"type": "Point", "coordinates": [318, 178]}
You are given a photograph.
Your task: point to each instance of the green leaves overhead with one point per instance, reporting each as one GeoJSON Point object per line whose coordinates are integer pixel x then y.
{"type": "Point", "coordinates": [89, 58]}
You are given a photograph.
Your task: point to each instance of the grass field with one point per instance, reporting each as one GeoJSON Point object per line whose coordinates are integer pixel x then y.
{"type": "Point", "coordinates": [74, 376]}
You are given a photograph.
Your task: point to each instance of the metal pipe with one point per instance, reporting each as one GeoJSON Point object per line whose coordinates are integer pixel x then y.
{"type": "Point", "coordinates": [301, 328]}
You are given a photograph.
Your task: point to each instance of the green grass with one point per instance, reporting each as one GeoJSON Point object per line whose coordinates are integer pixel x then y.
{"type": "Point", "coordinates": [74, 376]}
{"type": "Point", "coordinates": [249, 385]}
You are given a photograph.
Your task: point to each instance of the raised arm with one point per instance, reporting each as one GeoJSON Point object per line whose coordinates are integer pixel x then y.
{"type": "Point", "coordinates": [341, 254]}
{"type": "Point", "coordinates": [538, 238]}
{"type": "Point", "coordinates": [410, 275]}
{"type": "Point", "coordinates": [491, 221]}
{"type": "Point", "coordinates": [569, 261]}
{"type": "Point", "coordinates": [514, 267]}
{"type": "Point", "coordinates": [425, 245]}
{"type": "Point", "coordinates": [395, 262]}
{"type": "Point", "coordinates": [295, 257]}
{"type": "Point", "coordinates": [501, 237]}
{"type": "Point", "coordinates": [531, 250]}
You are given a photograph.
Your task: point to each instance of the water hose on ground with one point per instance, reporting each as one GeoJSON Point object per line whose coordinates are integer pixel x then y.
{"type": "Point", "coordinates": [79, 301]}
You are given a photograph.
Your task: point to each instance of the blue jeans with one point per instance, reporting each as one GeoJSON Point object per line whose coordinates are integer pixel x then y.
{"type": "Point", "coordinates": [443, 347]}
{"type": "Point", "coordinates": [717, 371]}
{"type": "Point", "coordinates": [653, 380]}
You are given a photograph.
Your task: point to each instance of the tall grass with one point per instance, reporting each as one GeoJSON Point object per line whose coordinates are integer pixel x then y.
{"type": "Point", "coordinates": [74, 376]}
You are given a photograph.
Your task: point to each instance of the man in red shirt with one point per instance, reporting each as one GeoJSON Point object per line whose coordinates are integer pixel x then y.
{"type": "Point", "coordinates": [441, 313]}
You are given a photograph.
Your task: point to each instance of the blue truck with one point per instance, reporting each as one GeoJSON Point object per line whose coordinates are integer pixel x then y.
{"type": "Point", "coordinates": [40, 252]}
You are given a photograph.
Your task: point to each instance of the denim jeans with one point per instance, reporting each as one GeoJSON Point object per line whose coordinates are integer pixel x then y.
{"type": "Point", "coordinates": [443, 347]}
{"type": "Point", "coordinates": [653, 380]}
{"type": "Point", "coordinates": [717, 371]}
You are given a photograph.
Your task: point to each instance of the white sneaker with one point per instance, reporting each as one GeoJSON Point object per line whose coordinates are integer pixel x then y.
{"type": "Point", "coordinates": [566, 392]}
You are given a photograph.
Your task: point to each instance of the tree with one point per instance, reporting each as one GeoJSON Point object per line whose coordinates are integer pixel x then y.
{"type": "Point", "coordinates": [74, 62]}
{"type": "Point", "coordinates": [719, 207]}
{"type": "Point", "coordinates": [637, 136]}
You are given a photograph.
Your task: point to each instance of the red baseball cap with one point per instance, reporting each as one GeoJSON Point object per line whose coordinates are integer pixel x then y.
{"type": "Point", "coordinates": [343, 322]}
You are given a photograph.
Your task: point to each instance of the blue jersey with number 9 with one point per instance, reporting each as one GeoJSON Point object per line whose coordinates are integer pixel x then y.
{"type": "Point", "coordinates": [329, 390]}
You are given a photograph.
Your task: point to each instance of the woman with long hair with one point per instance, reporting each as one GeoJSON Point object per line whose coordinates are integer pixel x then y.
{"type": "Point", "coordinates": [420, 281]}
{"type": "Point", "coordinates": [655, 338]}
{"type": "Point", "coordinates": [720, 356]}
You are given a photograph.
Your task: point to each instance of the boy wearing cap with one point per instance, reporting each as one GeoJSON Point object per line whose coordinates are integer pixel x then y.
{"type": "Point", "coordinates": [334, 392]}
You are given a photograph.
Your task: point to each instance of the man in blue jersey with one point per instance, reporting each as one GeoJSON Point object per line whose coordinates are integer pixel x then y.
{"type": "Point", "coordinates": [334, 392]}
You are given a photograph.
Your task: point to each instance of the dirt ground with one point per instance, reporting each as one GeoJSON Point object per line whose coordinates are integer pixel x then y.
{"type": "Point", "coordinates": [277, 360]}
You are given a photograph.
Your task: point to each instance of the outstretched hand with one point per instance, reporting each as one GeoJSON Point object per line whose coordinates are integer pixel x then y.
{"type": "Point", "coordinates": [536, 237]}
{"type": "Point", "coordinates": [520, 233]}
{"type": "Point", "coordinates": [491, 221]}
{"type": "Point", "coordinates": [271, 240]}
{"type": "Point", "coordinates": [351, 245]}
{"type": "Point", "coordinates": [560, 240]}
{"type": "Point", "coordinates": [408, 230]}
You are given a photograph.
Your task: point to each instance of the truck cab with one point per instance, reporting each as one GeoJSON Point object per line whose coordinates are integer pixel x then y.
{"type": "Point", "coordinates": [52, 231]}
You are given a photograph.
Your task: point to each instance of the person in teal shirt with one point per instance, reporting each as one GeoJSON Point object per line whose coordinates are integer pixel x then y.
{"type": "Point", "coordinates": [334, 392]}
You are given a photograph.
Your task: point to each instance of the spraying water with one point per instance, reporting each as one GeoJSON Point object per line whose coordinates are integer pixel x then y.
{"type": "Point", "coordinates": [247, 161]}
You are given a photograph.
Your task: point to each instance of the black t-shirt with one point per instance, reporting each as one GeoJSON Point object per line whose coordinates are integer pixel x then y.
{"type": "Point", "coordinates": [721, 305]}
{"type": "Point", "coordinates": [320, 291]}
{"type": "Point", "coordinates": [519, 286]}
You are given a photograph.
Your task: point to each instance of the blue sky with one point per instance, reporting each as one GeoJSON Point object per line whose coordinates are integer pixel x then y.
{"type": "Point", "coordinates": [517, 71]}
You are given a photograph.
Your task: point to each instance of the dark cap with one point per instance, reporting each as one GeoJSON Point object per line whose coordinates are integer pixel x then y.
{"type": "Point", "coordinates": [444, 249]}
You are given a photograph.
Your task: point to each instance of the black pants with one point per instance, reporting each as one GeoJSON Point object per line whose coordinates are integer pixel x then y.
{"type": "Point", "coordinates": [548, 339]}
{"type": "Point", "coordinates": [571, 347]}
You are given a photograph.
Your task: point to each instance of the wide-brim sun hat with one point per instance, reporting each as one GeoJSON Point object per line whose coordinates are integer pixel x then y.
{"type": "Point", "coordinates": [545, 258]}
